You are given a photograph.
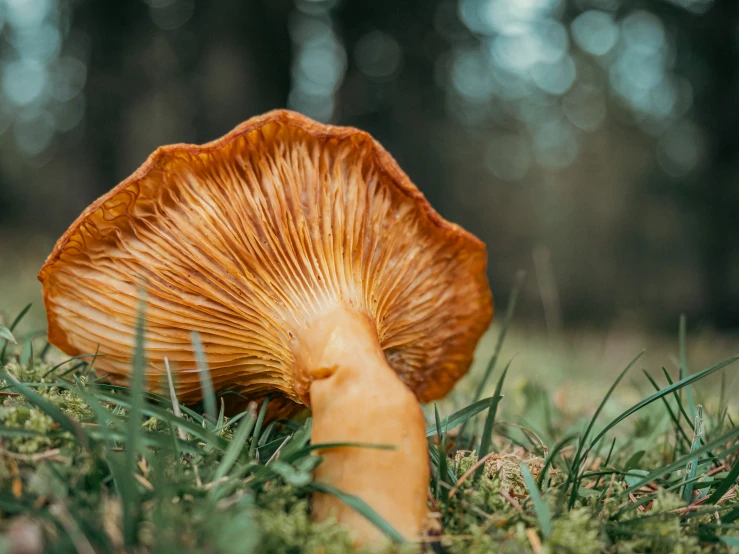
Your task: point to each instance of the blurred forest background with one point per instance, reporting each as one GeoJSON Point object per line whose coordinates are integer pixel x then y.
{"type": "Point", "coordinates": [592, 142]}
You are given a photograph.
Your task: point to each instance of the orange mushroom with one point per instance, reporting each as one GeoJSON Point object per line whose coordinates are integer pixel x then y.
{"type": "Point", "coordinates": [312, 267]}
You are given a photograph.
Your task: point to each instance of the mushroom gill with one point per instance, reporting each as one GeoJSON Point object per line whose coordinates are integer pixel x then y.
{"type": "Point", "coordinates": [311, 266]}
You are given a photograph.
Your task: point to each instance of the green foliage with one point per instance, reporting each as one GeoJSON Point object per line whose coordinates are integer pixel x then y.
{"type": "Point", "coordinates": [95, 467]}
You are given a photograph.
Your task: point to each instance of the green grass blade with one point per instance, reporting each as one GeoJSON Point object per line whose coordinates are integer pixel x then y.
{"type": "Point", "coordinates": [362, 507]}
{"type": "Point", "coordinates": [680, 462]}
{"type": "Point", "coordinates": [221, 415]}
{"type": "Point", "coordinates": [579, 456]}
{"type": "Point", "coordinates": [44, 351]}
{"type": "Point", "coordinates": [104, 417]}
{"type": "Point", "coordinates": [6, 334]}
{"type": "Point", "coordinates": [266, 435]}
{"type": "Point", "coordinates": [540, 507]}
{"type": "Point", "coordinates": [723, 487]}
{"type": "Point", "coordinates": [684, 367]}
{"type": "Point", "coordinates": [295, 476]}
{"type": "Point", "coordinates": [607, 397]}
{"type": "Point", "coordinates": [681, 409]}
{"type": "Point", "coordinates": [20, 317]}
{"type": "Point", "coordinates": [725, 395]}
{"type": "Point", "coordinates": [435, 460]}
{"type": "Point", "coordinates": [91, 365]}
{"type": "Point", "coordinates": [577, 461]}
{"type": "Point", "coordinates": [231, 422]}
{"type": "Point", "coordinates": [173, 398]}
{"type": "Point", "coordinates": [152, 397]}
{"type": "Point", "coordinates": [160, 412]}
{"type": "Point", "coordinates": [610, 452]}
{"type": "Point", "coordinates": [510, 310]}
{"type": "Point", "coordinates": [442, 464]}
{"type": "Point", "coordinates": [692, 466]}
{"type": "Point", "coordinates": [152, 439]}
{"type": "Point", "coordinates": [298, 439]}
{"type": "Point", "coordinates": [673, 417]}
{"type": "Point", "coordinates": [460, 417]}
{"type": "Point", "coordinates": [665, 391]}
{"type": "Point", "coordinates": [552, 455]}
{"type": "Point", "coordinates": [487, 434]}
{"type": "Point", "coordinates": [12, 432]}
{"type": "Point", "coordinates": [732, 516]}
{"type": "Point", "coordinates": [237, 444]}
{"type": "Point", "coordinates": [258, 427]}
{"type": "Point", "coordinates": [305, 450]}
{"type": "Point", "coordinates": [12, 327]}
{"type": "Point", "coordinates": [65, 362]}
{"type": "Point", "coordinates": [206, 383]}
{"type": "Point", "coordinates": [129, 486]}
{"type": "Point", "coordinates": [27, 355]}
{"type": "Point", "coordinates": [440, 429]}
{"type": "Point", "coordinates": [301, 453]}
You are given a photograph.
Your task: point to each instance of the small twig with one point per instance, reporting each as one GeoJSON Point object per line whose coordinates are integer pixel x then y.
{"type": "Point", "coordinates": [731, 493]}
{"type": "Point", "coordinates": [273, 457]}
{"type": "Point", "coordinates": [608, 492]}
{"type": "Point", "coordinates": [512, 501]}
{"type": "Point", "coordinates": [432, 500]}
{"type": "Point", "coordinates": [610, 486]}
{"type": "Point", "coordinates": [80, 542]}
{"type": "Point", "coordinates": [642, 507]}
{"type": "Point", "coordinates": [716, 470]}
{"type": "Point", "coordinates": [481, 461]}
{"type": "Point", "coordinates": [53, 454]}
{"type": "Point", "coordinates": [212, 484]}
{"type": "Point", "coordinates": [141, 479]}
{"type": "Point", "coordinates": [439, 538]}
{"type": "Point", "coordinates": [534, 539]}
{"type": "Point", "coordinates": [195, 470]}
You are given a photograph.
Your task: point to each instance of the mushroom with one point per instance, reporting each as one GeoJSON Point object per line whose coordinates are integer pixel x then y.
{"type": "Point", "coordinates": [311, 267]}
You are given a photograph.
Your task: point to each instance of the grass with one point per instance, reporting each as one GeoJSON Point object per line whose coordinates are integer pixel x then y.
{"type": "Point", "coordinates": [90, 467]}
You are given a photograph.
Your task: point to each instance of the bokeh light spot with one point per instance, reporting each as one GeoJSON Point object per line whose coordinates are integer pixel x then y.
{"type": "Point", "coordinates": [555, 144]}
{"type": "Point", "coordinates": [68, 78]}
{"type": "Point", "coordinates": [378, 55]}
{"type": "Point", "coordinates": [470, 75]}
{"type": "Point", "coordinates": [24, 81]}
{"type": "Point", "coordinates": [508, 156]}
{"type": "Point", "coordinates": [681, 148]}
{"type": "Point", "coordinates": [33, 133]}
{"type": "Point", "coordinates": [168, 15]}
{"type": "Point", "coordinates": [26, 13]}
{"type": "Point", "coordinates": [585, 107]}
{"type": "Point", "coordinates": [595, 32]}
{"type": "Point", "coordinates": [555, 78]}
{"type": "Point", "coordinates": [643, 32]}
{"type": "Point", "coordinates": [318, 67]}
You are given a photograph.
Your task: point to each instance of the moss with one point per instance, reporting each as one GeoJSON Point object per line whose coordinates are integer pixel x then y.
{"type": "Point", "coordinates": [577, 532]}
{"type": "Point", "coordinates": [490, 514]}
{"type": "Point", "coordinates": [14, 412]}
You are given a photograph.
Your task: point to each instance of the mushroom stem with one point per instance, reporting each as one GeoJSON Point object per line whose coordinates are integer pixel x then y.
{"type": "Point", "coordinates": [357, 397]}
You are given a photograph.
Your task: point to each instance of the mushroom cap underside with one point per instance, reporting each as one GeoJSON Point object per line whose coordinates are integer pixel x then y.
{"type": "Point", "coordinates": [246, 238]}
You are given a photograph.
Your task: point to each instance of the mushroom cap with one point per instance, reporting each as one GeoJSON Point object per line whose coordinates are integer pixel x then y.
{"type": "Point", "coordinates": [247, 237]}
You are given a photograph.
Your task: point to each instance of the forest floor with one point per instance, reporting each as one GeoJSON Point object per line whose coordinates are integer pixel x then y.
{"type": "Point", "coordinates": [606, 451]}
